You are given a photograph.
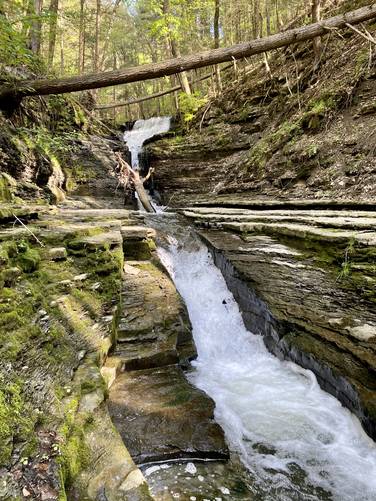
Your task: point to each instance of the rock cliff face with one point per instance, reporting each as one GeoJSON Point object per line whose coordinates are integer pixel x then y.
{"type": "Point", "coordinates": [53, 151]}
{"type": "Point", "coordinates": [92, 313]}
{"type": "Point", "coordinates": [302, 302]}
{"type": "Point", "coordinates": [279, 176]}
{"type": "Point", "coordinates": [305, 132]}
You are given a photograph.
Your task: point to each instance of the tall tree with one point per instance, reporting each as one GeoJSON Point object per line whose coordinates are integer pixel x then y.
{"type": "Point", "coordinates": [97, 35]}
{"type": "Point", "coordinates": [217, 8]}
{"type": "Point", "coordinates": [316, 17]}
{"type": "Point", "coordinates": [35, 33]}
{"type": "Point", "coordinates": [175, 52]}
{"type": "Point", "coordinates": [53, 12]}
{"type": "Point", "coordinates": [81, 38]}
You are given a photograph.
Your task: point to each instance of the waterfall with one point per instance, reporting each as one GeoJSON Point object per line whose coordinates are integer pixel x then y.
{"type": "Point", "coordinates": [296, 440]}
{"type": "Point", "coordinates": [143, 130]}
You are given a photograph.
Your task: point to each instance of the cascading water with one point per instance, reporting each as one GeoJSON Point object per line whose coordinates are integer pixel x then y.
{"type": "Point", "coordinates": [296, 441]}
{"type": "Point", "coordinates": [143, 130]}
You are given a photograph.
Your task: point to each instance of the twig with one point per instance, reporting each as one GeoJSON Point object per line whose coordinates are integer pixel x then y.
{"type": "Point", "coordinates": [204, 115]}
{"type": "Point", "coordinates": [28, 229]}
{"type": "Point", "coordinates": [368, 37]}
{"type": "Point", "coordinates": [368, 33]}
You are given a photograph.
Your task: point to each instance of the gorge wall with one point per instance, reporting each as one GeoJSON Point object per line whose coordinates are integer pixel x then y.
{"type": "Point", "coordinates": [279, 176]}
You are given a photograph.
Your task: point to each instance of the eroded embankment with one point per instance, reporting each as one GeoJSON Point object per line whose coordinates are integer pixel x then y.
{"type": "Point", "coordinates": [295, 439]}
{"type": "Point", "coordinates": [94, 335]}
{"type": "Point", "coordinates": [305, 281]}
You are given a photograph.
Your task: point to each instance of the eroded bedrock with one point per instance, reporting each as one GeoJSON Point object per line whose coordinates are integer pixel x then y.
{"type": "Point", "coordinates": [158, 413]}
{"type": "Point", "coordinates": [161, 416]}
{"type": "Point", "coordinates": [305, 280]}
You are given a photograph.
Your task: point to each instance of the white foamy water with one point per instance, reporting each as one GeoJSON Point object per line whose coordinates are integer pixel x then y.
{"type": "Point", "coordinates": [143, 130]}
{"type": "Point", "coordinates": [309, 442]}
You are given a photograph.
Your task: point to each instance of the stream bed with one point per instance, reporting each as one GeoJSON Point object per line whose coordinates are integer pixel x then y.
{"type": "Point", "coordinates": [289, 439]}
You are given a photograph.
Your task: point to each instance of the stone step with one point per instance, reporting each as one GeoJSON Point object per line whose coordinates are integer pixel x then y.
{"type": "Point", "coordinates": [161, 416]}
{"type": "Point", "coordinates": [144, 355]}
{"type": "Point", "coordinates": [334, 232]}
{"type": "Point", "coordinates": [338, 221]}
{"type": "Point", "coordinates": [96, 213]}
{"type": "Point", "coordinates": [153, 322]}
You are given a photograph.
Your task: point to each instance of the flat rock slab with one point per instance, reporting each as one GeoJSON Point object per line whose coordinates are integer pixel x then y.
{"type": "Point", "coordinates": [235, 200]}
{"type": "Point", "coordinates": [137, 232]}
{"type": "Point", "coordinates": [161, 416]}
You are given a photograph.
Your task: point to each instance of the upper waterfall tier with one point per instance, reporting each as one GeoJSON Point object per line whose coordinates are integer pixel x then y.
{"type": "Point", "coordinates": [143, 130]}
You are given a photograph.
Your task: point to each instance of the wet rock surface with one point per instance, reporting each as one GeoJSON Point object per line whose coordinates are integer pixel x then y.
{"type": "Point", "coordinates": [158, 413]}
{"type": "Point", "coordinates": [259, 141]}
{"type": "Point", "coordinates": [161, 416]}
{"type": "Point", "coordinates": [307, 288]}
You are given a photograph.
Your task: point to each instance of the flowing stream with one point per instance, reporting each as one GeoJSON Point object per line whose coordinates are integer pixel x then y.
{"type": "Point", "coordinates": [296, 441]}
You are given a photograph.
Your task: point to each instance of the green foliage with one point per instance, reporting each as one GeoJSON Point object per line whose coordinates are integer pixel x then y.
{"type": "Point", "coordinates": [346, 264]}
{"type": "Point", "coordinates": [13, 48]}
{"type": "Point", "coordinates": [190, 104]}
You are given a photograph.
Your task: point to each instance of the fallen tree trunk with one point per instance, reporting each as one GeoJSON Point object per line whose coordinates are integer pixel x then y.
{"type": "Point", "coordinates": [138, 183]}
{"type": "Point", "coordinates": [139, 99]}
{"type": "Point", "coordinates": [181, 64]}
{"type": "Point", "coordinates": [129, 176]}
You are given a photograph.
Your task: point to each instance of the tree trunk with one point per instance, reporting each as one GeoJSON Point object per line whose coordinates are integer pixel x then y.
{"type": "Point", "coordinates": [108, 35]}
{"type": "Point", "coordinates": [267, 17]}
{"type": "Point", "coordinates": [81, 38]}
{"type": "Point", "coordinates": [185, 63]}
{"type": "Point", "coordinates": [97, 35]}
{"type": "Point", "coordinates": [141, 192]}
{"type": "Point", "coordinates": [35, 34]}
{"type": "Point", "coordinates": [157, 94]}
{"type": "Point", "coordinates": [216, 42]}
{"type": "Point", "coordinates": [316, 17]}
{"type": "Point", "coordinates": [174, 47]}
{"type": "Point", "coordinates": [54, 9]}
{"type": "Point", "coordinates": [62, 34]}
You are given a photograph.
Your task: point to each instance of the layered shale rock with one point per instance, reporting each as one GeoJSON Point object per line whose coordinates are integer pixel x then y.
{"type": "Point", "coordinates": [305, 280]}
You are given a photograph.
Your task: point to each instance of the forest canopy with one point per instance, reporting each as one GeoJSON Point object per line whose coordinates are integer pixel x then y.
{"type": "Point", "coordinates": [70, 37]}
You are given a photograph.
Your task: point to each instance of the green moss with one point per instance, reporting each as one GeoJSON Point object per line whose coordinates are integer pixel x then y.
{"type": "Point", "coordinates": [29, 260]}
{"type": "Point", "coordinates": [318, 110]}
{"type": "Point", "coordinates": [6, 186]}
{"type": "Point", "coordinates": [10, 320]}
{"type": "Point", "coordinates": [17, 420]}
{"type": "Point", "coordinates": [267, 146]}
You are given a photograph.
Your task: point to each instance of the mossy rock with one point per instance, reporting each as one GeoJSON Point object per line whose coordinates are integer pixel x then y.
{"type": "Point", "coordinates": [29, 260]}
{"type": "Point", "coordinates": [7, 185]}
{"type": "Point", "coordinates": [16, 419]}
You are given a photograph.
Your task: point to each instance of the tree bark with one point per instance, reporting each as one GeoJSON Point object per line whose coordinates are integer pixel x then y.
{"type": "Point", "coordinates": [217, 8]}
{"type": "Point", "coordinates": [62, 61]}
{"type": "Point", "coordinates": [316, 16]}
{"type": "Point", "coordinates": [108, 35]}
{"type": "Point", "coordinates": [176, 88]}
{"type": "Point", "coordinates": [54, 9]}
{"type": "Point", "coordinates": [97, 34]}
{"type": "Point", "coordinates": [175, 52]}
{"type": "Point", "coordinates": [35, 33]}
{"type": "Point", "coordinates": [126, 172]}
{"type": "Point", "coordinates": [185, 63]}
{"type": "Point", "coordinates": [81, 38]}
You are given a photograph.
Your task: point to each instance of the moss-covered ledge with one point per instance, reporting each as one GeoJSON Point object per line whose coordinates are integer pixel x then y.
{"type": "Point", "coordinates": [58, 318]}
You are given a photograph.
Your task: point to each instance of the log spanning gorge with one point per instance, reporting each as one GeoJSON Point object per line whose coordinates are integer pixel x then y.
{"type": "Point", "coordinates": [288, 439]}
